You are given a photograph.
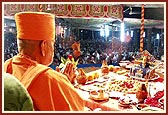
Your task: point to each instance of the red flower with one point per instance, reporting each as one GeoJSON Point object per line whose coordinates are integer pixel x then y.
{"type": "Point", "coordinates": [70, 57]}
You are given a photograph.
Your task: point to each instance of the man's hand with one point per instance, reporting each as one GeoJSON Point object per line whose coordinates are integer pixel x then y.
{"type": "Point", "coordinates": [69, 71]}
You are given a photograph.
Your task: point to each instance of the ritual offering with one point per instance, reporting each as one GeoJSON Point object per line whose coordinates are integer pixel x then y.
{"type": "Point", "coordinates": [144, 57]}
{"type": "Point", "coordinates": [123, 86]}
{"type": "Point", "coordinates": [142, 93]}
{"type": "Point", "coordinates": [114, 86]}
{"type": "Point", "coordinates": [156, 101]}
{"type": "Point", "coordinates": [96, 75]}
{"type": "Point", "coordinates": [139, 72]}
{"type": "Point", "coordinates": [90, 77]}
{"type": "Point", "coordinates": [116, 69]}
{"type": "Point", "coordinates": [121, 72]}
{"type": "Point", "coordinates": [104, 67]}
{"type": "Point", "coordinates": [111, 68]}
{"type": "Point", "coordinates": [125, 101]}
{"type": "Point", "coordinates": [81, 77]}
{"type": "Point", "coordinates": [99, 95]}
{"type": "Point", "coordinates": [145, 70]}
{"type": "Point", "coordinates": [123, 64]}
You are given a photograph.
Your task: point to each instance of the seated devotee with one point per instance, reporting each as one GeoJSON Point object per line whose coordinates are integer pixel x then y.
{"type": "Point", "coordinates": [16, 97]}
{"type": "Point", "coordinates": [50, 90]}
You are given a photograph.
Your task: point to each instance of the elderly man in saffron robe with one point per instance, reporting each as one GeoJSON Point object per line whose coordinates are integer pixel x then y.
{"type": "Point", "coordinates": [50, 90]}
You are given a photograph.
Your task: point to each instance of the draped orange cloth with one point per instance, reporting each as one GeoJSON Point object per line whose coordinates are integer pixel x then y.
{"type": "Point", "coordinates": [50, 90]}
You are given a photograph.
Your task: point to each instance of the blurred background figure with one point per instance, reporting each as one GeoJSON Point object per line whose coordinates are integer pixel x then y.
{"type": "Point", "coordinates": [16, 97]}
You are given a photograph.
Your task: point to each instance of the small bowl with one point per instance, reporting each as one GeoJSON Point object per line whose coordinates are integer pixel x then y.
{"type": "Point", "coordinates": [99, 95]}
{"type": "Point", "coordinates": [141, 106]}
{"type": "Point", "coordinates": [93, 92]}
{"type": "Point", "coordinates": [125, 101]}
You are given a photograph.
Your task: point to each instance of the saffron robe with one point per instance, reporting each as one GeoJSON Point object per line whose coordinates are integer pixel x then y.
{"type": "Point", "coordinates": [50, 90]}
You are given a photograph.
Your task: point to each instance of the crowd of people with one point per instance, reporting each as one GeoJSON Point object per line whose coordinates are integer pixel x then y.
{"type": "Point", "coordinates": [92, 52]}
{"type": "Point", "coordinates": [10, 45]}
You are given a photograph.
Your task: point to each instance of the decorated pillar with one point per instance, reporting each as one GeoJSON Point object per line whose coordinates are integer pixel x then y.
{"type": "Point", "coordinates": [142, 29]}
